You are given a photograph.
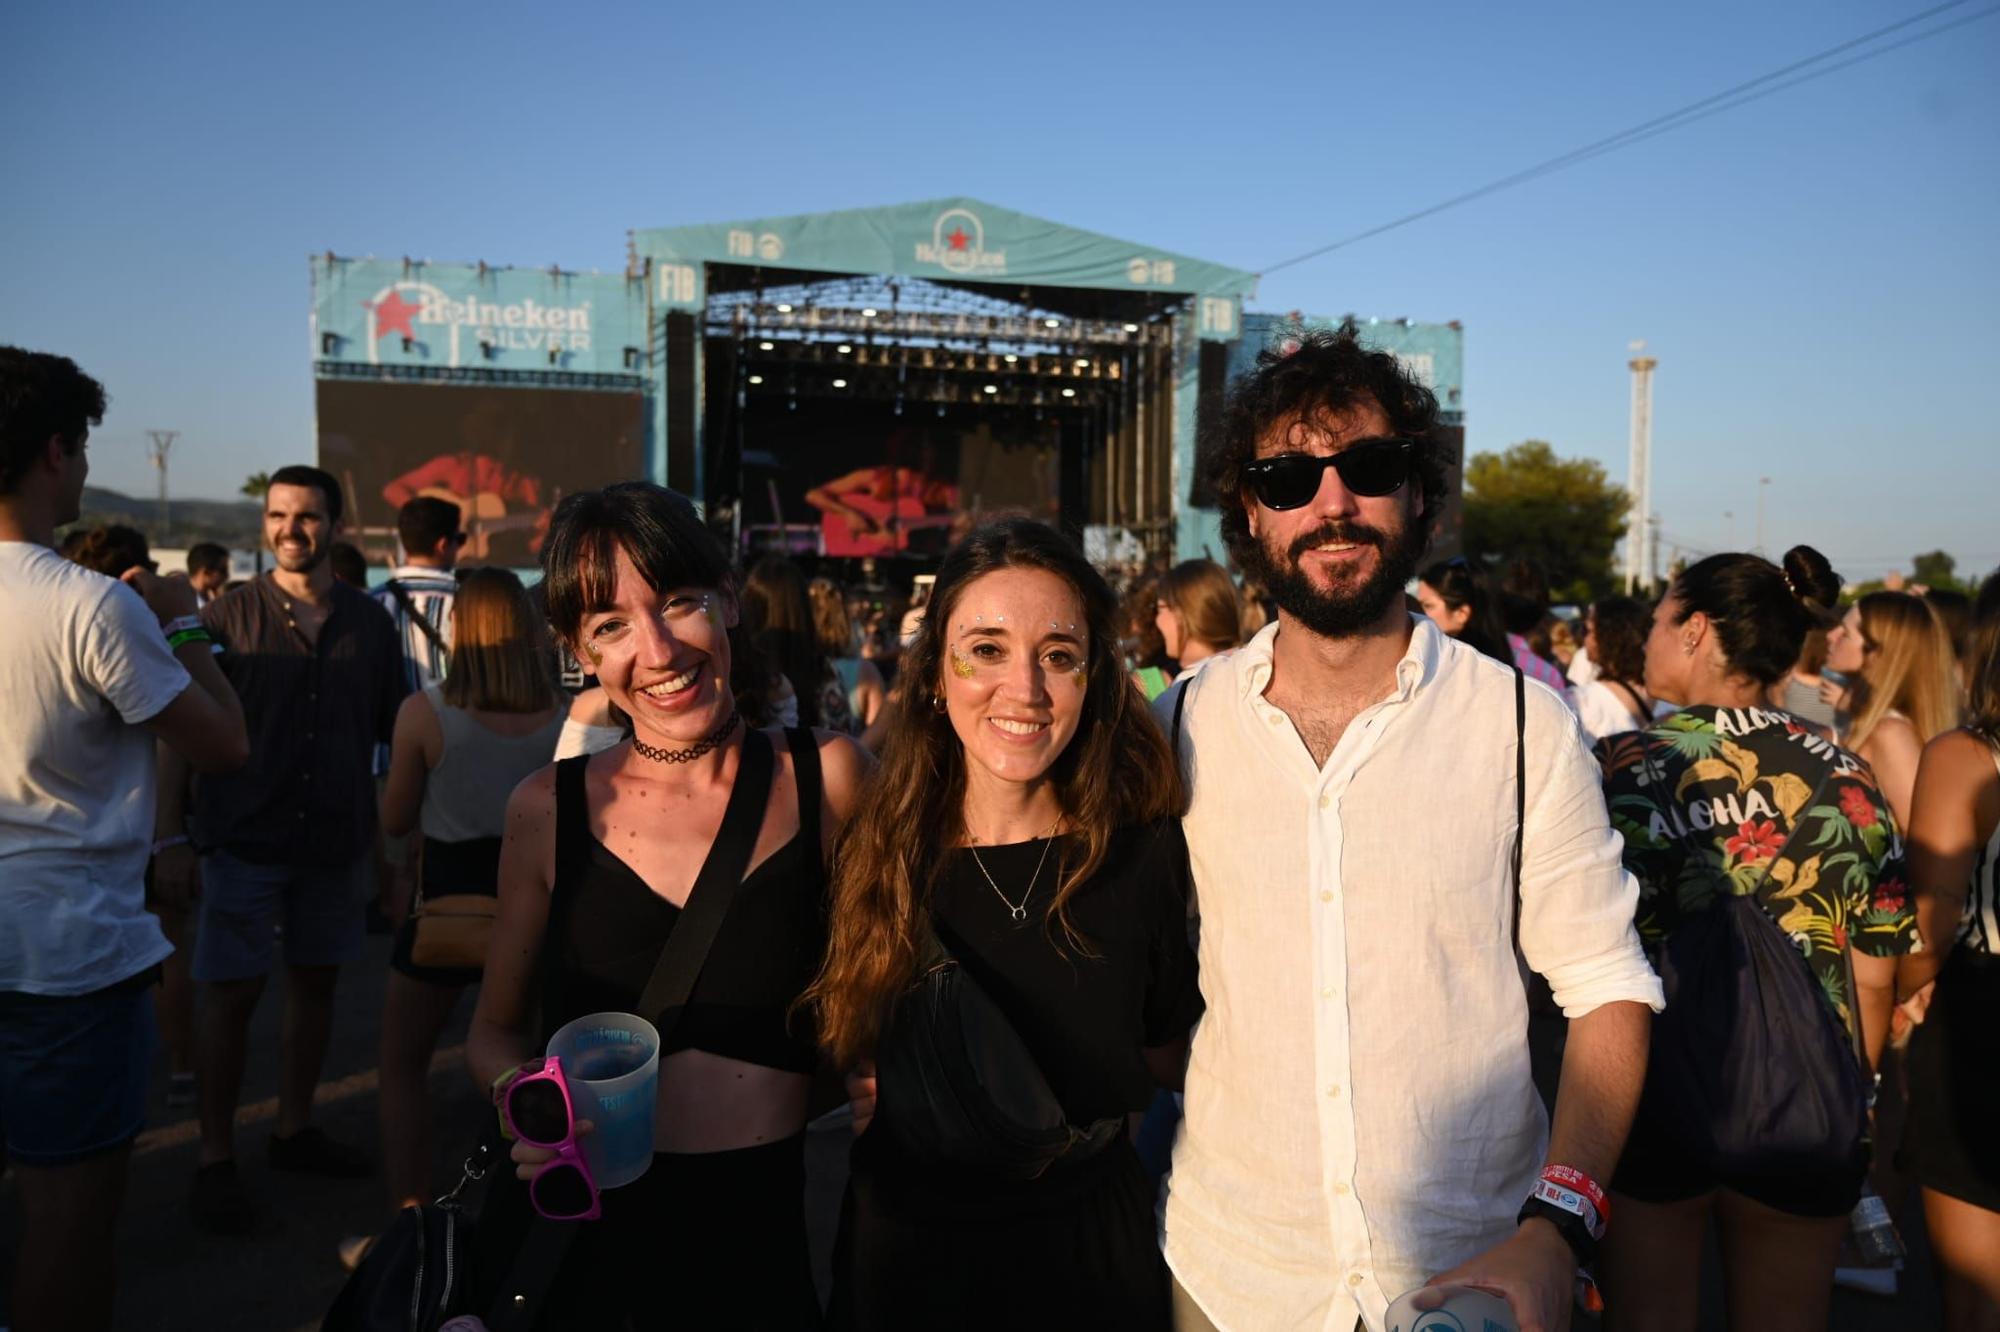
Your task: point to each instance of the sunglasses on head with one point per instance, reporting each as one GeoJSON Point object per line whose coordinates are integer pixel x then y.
{"type": "Point", "coordinates": [1372, 468]}
{"type": "Point", "coordinates": [538, 1111]}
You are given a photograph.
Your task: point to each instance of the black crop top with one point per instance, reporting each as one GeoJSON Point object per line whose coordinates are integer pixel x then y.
{"type": "Point", "coordinates": [607, 929]}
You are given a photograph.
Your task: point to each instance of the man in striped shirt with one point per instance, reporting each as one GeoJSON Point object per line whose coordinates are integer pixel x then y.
{"type": "Point", "coordinates": [419, 591]}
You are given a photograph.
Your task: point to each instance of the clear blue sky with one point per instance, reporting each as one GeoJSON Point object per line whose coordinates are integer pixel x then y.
{"type": "Point", "coordinates": [1816, 272]}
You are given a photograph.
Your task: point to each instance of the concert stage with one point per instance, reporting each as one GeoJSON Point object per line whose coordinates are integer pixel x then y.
{"type": "Point", "coordinates": [837, 385]}
{"type": "Point", "coordinates": [870, 383]}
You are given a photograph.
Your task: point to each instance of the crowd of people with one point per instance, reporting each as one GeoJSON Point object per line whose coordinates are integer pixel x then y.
{"type": "Point", "coordinates": [1215, 947]}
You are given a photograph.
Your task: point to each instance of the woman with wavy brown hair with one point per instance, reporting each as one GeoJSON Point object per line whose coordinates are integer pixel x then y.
{"type": "Point", "coordinates": [1614, 701]}
{"type": "Point", "coordinates": [1025, 821]}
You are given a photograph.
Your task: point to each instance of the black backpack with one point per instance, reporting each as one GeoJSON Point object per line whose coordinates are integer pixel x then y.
{"type": "Point", "coordinates": [1751, 1071]}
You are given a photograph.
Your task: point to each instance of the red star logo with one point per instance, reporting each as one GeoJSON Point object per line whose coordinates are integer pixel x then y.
{"type": "Point", "coordinates": [958, 238]}
{"type": "Point", "coordinates": [392, 314]}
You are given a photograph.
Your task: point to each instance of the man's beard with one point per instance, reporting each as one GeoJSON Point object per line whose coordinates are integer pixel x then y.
{"type": "Point", "coordinates": [314, 557]}
{"type": "Point", "coordinates": [1340, 612]}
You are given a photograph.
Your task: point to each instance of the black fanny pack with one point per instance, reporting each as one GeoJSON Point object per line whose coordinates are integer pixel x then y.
{"type": "Point", "coordinates": [959, 1088]}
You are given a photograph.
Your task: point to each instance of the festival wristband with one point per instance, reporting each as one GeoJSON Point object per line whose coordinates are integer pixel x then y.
{"type": "Point", "coordinates": [1569, 1200]}
{"type": "Point", "coordinates": [181, 637]}
{"type": "Point", "coordinates": [180, 622]}
{"type": "Point", "coordinates": [496, 1090]}
{"type": "Point", "coordinates": [1569, 1177]}
{"type": "Point", "coordinates": [1568, 1224]}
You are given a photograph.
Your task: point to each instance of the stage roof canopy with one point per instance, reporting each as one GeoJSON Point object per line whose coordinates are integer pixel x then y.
{"type": "Point", "coordinates": [944, 240]}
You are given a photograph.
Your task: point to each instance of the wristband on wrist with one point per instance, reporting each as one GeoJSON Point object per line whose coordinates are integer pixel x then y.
{"type": "Point", "coordinates": [167, 843]}
{"type": "Point", "coordinates": [181, 637]}
{"type": "Point", "coordinates": [180, 622]}
{"type": "Point", "coordinates": [1569, 1177]}
{"type": "Point", "coordinates": [1569, 1200]}
{"type": "Point", "coordinates": [497, 1089]}
{"type": "Point", "coordinates": [1568, 1224]}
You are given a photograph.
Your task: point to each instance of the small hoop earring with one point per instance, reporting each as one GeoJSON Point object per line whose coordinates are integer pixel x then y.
{"type": "Point", "coordinates": [937, 703]}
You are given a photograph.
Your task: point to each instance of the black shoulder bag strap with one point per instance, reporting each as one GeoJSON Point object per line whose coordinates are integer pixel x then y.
{"type": "Point", "coordinates": [1520, 789]}
{"type": "Point", "coordinates": [714, 888]}
{"type": "Point", "coordinates": [416, 617]}
{"type": "Point", "coordinates": [665, 997]}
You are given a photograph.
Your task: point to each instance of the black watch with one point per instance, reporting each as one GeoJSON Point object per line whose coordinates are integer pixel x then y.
{"type": "Point", "coordinates": [1568, 1224]}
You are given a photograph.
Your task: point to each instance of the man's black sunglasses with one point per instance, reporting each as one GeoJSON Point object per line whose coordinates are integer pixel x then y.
{"type": "Point", "coordinates": [1372, 467]}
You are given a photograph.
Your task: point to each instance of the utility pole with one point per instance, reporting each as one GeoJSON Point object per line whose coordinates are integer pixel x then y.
{"type": "Point", "coordinates": [162, 444]}
{"type": "Point", "coordinates": [1762, 481]}
{"type": "Point", "coordinates": [1638, 550]}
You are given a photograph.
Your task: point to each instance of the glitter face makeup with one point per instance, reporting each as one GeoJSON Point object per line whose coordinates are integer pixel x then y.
{"type": "Point", "coordinates": [662, 657]}
{"type": "Point", "coordinates": [1014, 674]}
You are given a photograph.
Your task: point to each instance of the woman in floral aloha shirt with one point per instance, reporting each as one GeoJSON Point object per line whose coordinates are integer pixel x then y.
{"type": "Point", "coordinates": [1730, 795]}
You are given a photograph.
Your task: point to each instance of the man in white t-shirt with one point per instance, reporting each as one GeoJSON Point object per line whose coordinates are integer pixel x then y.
{"type": "Point", "coordinates": [92, 671]}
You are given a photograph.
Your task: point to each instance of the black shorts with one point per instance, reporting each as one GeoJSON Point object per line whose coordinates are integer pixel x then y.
{"type": "Point", "coordinates": [1658, 1168]}
{"type": "Point", "coordinates": [1951, 1142]}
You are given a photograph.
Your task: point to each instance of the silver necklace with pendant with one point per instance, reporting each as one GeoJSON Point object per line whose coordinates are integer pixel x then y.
{"type": "Point", "coordinates": [1019, 912]}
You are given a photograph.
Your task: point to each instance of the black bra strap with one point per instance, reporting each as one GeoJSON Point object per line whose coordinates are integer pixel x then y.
{"type": "Point", "coordinates": [806, 773]}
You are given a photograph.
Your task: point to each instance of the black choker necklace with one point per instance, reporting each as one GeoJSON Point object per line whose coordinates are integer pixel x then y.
{"type": "Point", "coordinates": [692, 752]}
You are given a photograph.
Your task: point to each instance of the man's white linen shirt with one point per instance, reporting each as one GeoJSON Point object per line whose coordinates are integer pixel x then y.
{"type": "Point", "coordinates": [1360, 1115]}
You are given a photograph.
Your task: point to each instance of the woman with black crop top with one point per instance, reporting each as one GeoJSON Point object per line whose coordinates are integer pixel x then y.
{"type": "Point", "coordinates": [600, 854]}
{"type": "Point", "coordinates": [1026, 814]}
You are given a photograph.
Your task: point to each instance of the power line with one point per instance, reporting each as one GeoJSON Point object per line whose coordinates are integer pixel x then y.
{"type": "Point", "coordinates": [1714, 104]}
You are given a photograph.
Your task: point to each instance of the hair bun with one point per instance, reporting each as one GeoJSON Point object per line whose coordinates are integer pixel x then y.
{"type": "Point", "coordinates": [1811, 579]}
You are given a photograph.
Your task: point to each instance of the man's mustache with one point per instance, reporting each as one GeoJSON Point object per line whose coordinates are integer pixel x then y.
{"type": "Point", "coordinates": [1357, 534]}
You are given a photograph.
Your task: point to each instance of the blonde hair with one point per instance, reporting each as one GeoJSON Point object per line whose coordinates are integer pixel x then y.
{"type": "Point", "coordinates": [1912, 670]}
{"type": "Point", "coordinates": [501, 660]}
{"type": "Point", "coordinates": [1201, 593]}
{"type": "Point", "coordinates": [831, 623]}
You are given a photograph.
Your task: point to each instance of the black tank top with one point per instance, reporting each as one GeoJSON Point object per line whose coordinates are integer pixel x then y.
{"type": "Point", "coordinates": [607, 929]}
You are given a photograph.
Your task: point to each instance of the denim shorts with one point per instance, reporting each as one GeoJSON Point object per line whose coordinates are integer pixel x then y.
{"type": "Point", "coordinates": [320, 907]}
{"type": "Point", "coordinates": [73, 1071]}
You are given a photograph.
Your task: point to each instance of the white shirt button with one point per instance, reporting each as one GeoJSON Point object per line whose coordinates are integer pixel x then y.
{"type": "Point", "coordinates": [1274, 719]}
{"type": "Point", "coordinates": [1326, 992]}
{"type": "Point", "coordinates": [1325, 801]}
{"type": "Point", "coordinates": [1354, 1278]}
{"type": "Point", "coordinates": [1341, 1190]}
{"type": "Point", "coordinates": [1334, 1090]}
{"type": "Point", "coordinates": [1325, 895]}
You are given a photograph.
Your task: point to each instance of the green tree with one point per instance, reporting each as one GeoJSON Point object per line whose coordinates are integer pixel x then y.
{"type": "Point", "coordinates": [255, 484]}
{"type": "Point", "coordinates": [1936, 569]}
{"type": "Point", "coordinates": [1563, 513]}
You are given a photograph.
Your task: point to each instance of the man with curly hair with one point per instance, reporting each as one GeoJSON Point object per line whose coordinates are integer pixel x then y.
{"type": "Point", "coordinates": [1360, 1116]}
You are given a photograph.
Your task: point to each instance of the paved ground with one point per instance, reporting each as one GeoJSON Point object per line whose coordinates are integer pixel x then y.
{"type": "Point", "coordinates": [282, 1279]}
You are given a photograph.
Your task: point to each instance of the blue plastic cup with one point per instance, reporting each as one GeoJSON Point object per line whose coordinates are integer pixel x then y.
{"type": "Point", "coordinates": [1450, 1309]}
{"type": "Point", "coordinates": [612, 1064]}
